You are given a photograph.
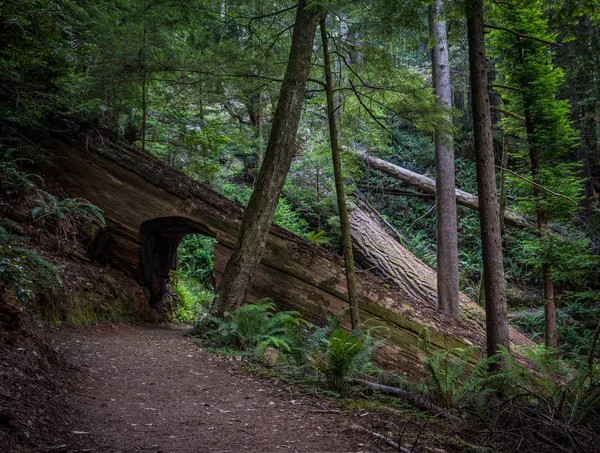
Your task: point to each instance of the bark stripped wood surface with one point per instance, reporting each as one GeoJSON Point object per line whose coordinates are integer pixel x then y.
{"type": "Point", "coordinates": [427, 184]}
{"type": "Point", "coordinates": [134, 190]}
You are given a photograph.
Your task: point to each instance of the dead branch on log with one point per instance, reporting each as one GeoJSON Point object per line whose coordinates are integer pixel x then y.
{"type": "Point", "coordinates": [385, 439]}
{"type": "Point", "coordinates": [416, 400]}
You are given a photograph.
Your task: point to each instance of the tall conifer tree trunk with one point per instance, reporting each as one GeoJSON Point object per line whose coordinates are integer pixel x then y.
{"type": "Point", "coordinates": [550, 338]}
{"type": "Point", "coordinates": [258, 217]}
{"type": "Point", "coordinates": [489, 212]}
{"type": "Point", "coordinates": [339, 182]}
{"type": "Point", "coordinates": [447, 241]}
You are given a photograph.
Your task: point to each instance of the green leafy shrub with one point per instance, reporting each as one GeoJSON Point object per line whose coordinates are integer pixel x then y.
{"type": "Point", "coordinates": [193, 299]}
{"type": "Point", "coordinates": [452, 381]}
{"type": "Point", "coordinates": [50, 208]}
{"type": "Point", "coordinates": [547, 382]}
{"type": "Point", "coordinates": [336, 355]}
{"type": "Point", "coordinates": [65, 217]}
{"type": "Point", "coordinates": [251, 328]}
{"type": "Point", "coordinates": [574, 320]}
{"type": "Point", "coordinates": [344, 356]}
{"type": "Point", "coordinates": [14, 181]}
{"type": "Point", "coordinates": [195, 257]}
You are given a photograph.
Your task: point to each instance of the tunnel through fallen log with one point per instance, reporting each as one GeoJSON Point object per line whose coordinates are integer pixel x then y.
{"type": "Point", "coordinates": [160, 239]}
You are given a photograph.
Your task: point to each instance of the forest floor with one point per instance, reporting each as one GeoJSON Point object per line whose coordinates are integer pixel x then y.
{"type": "Point", "coordinates": [147, 388]}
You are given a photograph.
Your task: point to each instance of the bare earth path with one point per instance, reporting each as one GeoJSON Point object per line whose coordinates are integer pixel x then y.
{"type": "Point", "coordinates": [147, 388]}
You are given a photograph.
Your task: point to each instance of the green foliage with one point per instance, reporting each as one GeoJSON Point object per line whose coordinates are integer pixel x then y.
{"type": "Point", "coordinates": [194, 298]}
{"type": "Point", "coordinates": [43, 47]}
{"type": "Point", "coordinates": [334, 354]}
{"type": "Point", "coordinates": [251, 327]}
{"type": "Point", "coordinates": [452, 379]}
{"type": "Point", "coordinates": [195, 256]}
{"type": "Point", "coordinates": [67, 210]}
{"type": "Point", "coordinates": [28, 275]}
{"type": "Point", "coordinates": [285, 215]}
{"type": "Point", "coordinates": [549, 382]}
{"type": "Point", "coordinates": [343, 356]}
{"type": "Point", "coordinates": [14, 181]}
{"type": "Point", "coordinates": [569, 255]}
{"type": "Point", "coordinates": [575, 320]}
{"type": "Point", "coordinates": [65, 217]}
{"type": "Point", "coordinates": [317, 237]}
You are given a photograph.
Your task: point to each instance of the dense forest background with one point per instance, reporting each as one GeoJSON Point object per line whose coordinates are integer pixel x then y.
{"type": "Point", "coordinates": [196, 85]}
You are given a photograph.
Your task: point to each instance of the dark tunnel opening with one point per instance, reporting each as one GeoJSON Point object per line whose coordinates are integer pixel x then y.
{"type": "Point", "coordinates": [160, 239]}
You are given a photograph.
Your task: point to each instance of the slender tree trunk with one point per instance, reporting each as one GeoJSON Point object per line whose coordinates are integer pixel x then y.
{"type": "Point", "coordinates": [447, 241]}
{"type": "Point", "coordinates": [339, 183]}
{"type": "Point", "coordinates": [550, 338]}
{"type": "Point", "coordinates": [489, 215]}
{"type": "Point", "coordinates": [144, 107]}
{"type": "Point", "coordinates": [504, 161]}
{"type": "Point", "coordinates": [237, 278]}
{"type": "Point", "coordinates": [144, 90]}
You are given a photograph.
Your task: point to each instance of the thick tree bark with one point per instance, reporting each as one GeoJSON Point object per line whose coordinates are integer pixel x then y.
{"type": "Point", "coordinates": [428, 185]}
{"type": "Point", "coordinates": [447, 240]}
{"type": "Point", "coordinates": [339, 182]}
{"type": "Point", "coordinates": [258, 217]}
{"type": "Point", "coordinates": [489, 212]}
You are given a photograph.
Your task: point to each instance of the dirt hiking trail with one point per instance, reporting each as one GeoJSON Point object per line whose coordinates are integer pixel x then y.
{"type": "Point", "coordinates": [147, 388]}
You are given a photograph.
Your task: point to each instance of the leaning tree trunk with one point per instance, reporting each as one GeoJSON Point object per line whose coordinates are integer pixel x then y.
{"type": "Point", "coordinates": [447, 240]}
{"type": "Point", "coordinates": [489, 211]}
{"type": "Point", "coordinates": [258, 217]}
{"type": "Point", "coordinates": [339, 182]}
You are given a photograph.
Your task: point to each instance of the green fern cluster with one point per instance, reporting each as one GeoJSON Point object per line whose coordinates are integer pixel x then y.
{"type": "Point", "coordinates": [330, 354]}
{"type": "Point", "coordinates": [534, 376]}
{"type": "Point", "coordinates": [13, 181]}
{"type": "Point", "coordinates": [451, 381]}
{"type": "Point", "coordinates": [334, 354]}
{"type": "Point", "coordinates": [546, 381]}
{"type": "Point", "coordinates": [251, 328]}
{"type": "Point", "coordinates": [49, 207]}
{"type": "Point", "coordinates": [345, 356]}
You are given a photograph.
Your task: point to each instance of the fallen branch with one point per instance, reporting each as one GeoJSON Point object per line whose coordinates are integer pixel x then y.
{"type": "Point", "coordinates": [387, 440]}
{"type": "Point", "coordinates": [508, 113]}
{"type": "Point", "coordinates": [416, 400]}
{"type": "Point", "coordinates": [533, 183]}
{"type": "Point", "coordinates": [522, 35]}
{"type": "Point", "coordinates": [392, 191]}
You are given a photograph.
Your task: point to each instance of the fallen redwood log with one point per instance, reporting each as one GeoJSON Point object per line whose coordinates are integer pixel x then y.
{"type": "Point", "coordinates": [427, 184]}
{"type": "Point", "coordinates": [149, 208]}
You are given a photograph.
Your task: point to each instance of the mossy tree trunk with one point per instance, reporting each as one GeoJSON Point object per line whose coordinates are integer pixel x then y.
{"type": "Point", "coordinates": [258, 217]}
